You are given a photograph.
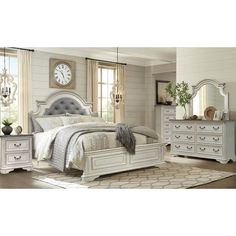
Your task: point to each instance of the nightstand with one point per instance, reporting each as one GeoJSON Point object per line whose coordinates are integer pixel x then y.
{"type": "Point", "coordinates": [16, 152]}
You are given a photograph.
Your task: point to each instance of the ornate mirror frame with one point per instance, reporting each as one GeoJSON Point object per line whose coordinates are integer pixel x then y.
{"type": "Point", "coordinates": [220, 86]}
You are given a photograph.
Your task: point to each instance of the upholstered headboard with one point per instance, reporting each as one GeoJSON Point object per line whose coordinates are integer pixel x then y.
{"type": "Point", "coordinates": [61, 102]}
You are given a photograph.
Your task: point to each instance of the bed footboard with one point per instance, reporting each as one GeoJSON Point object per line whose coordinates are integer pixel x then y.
{"type": "Point", "coordinates": [118, 159]}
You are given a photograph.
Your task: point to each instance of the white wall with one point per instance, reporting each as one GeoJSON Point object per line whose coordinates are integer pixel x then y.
{"type": "Point", "coordinates": [195, 64]}
{"type": "Point", "coordinates": [153, 73]}
{"type": "Point", "coordinates": [134, 84]}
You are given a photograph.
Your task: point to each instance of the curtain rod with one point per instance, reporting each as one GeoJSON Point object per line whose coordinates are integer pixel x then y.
{"type": "Point", "coordinates": [26, 49]}
{"type": "Point", "coordinates": [87, 58]}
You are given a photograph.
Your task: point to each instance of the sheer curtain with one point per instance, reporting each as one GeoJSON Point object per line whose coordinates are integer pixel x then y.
{"type": "Point", "coordinates": [24, 75]}
{"type": "Point", "coordinates": [92, 84]}
{"type": "Point", "coordinates": [120, 112]}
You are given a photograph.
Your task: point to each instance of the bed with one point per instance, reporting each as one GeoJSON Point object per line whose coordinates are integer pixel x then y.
{"type": "Point", "coordinates": [58, 143]}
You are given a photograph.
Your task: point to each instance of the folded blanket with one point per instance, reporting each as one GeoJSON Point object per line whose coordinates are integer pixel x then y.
{"type": "Point", "coordinates": [126, 137]}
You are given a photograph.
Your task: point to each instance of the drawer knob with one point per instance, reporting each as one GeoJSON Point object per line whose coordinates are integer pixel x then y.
{"type": "Point", "coordinates": [216, 139]}
{"type": "Point", "coordinates": [177, 126]}
{"type": "Point", "coordinates": [17, 157]}
{"type": "Point", "coordinates": [216, 150]}
{"type": "Point", "coordinates": [202, 138]}
{"type": "Point", "coordinates": [189, 137]}
{"type": "Point", "coordinates": [17, 144]}
{"type": "Point", "coordinates": [202, 149]}
{"type": "Point", "coordinates": [189, 127]}
{"type": "Point", "coordinates": [216, 128]}
{"type": "Point", "coordinates": [177, 136]}
{"type": "Point", "coordinates": [202, 127]}
{"type": "Point", "coordinates": [177, 146]}
{"type": "Point", "coordinates": [189, 148]}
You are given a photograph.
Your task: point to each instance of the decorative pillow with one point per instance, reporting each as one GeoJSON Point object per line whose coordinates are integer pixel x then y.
{"type": "Point", "coordinates": [35, 125]}
{"type": "Point", "coordinates": [69, 120]}
{"type": "Point", "coordinates": [49, 122]}
{"type": "Point", "coordinates": [92, 119]}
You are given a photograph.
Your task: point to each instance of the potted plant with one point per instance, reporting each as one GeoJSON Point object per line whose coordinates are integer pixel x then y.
{"type": "Point", "coordinates": [7, 129]}
{"type": "Point", "coordinates": [180, 93]}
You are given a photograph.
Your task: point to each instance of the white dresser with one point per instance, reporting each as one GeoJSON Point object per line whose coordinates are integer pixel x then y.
{"type": "Point", "coordinates": [204, 139]}
{"type": "Point", "coordinates": [16, 152]}
{"type": "Point", "coordinates": [164, 114]}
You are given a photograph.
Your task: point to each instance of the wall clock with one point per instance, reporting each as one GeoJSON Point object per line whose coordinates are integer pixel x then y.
{"type": "Point", "coordinates": [62, 73]}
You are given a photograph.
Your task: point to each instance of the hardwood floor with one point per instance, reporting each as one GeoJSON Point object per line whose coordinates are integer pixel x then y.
{"type": "Point", "coordinates": [19, 179]}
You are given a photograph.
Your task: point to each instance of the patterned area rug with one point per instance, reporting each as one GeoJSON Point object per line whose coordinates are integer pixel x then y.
{"type": "Point", "coordinates": [167, 176]}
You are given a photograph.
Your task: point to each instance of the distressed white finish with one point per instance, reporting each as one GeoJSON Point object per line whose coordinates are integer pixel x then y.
{"type": "Point", "coordinates": [108, 160]}
{"type": "Point", "coordinates": [220, 86]}
{"type": "Point", "coordinates": [118, 159]}
{"type": "Point", "coordinates": [204, 139]}
{"type": "Point", "coordinates": [163, 116]}
{"type": "Point", "coordinates": [16, 152]}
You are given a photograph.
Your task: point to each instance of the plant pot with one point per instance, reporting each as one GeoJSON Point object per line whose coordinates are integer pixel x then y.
{"type": "Point", "coordinates": [7, 129]}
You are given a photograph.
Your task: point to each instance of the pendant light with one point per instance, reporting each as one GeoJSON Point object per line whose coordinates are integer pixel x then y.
{"type": "Point", "coordinates": [7, 86]}
{"type": "Point", "coordinates": [117, 93]}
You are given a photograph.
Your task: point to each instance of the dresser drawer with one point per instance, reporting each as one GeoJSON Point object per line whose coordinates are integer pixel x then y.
{"type": "Point", "coordinates": [210, 128]}
{"type": "Point", "coordinates": [166, 125]}
{"type": "Point", "coordinates": [17, 145]}
{"type": "Point", "coordinates": [178, 137]}
{"type": "Point", "coordinates": [210, 139]}
{"type": "Point", "coordinates": [166, 132]}
{"type": "Point", "coordinates": [167, 118]}
{"type": "Point", "coordinates": [201, 149]}
{"type": "Point", "coordinates": [166, 139]}
{"type": "Point", "coordinates": [15, 158]}
{"type": "Point", "coordinates": [177, 147]}
{"type": "Point", "coordinates": [183, 127]}
{"type": "Point", "coordinates": [168, 111]}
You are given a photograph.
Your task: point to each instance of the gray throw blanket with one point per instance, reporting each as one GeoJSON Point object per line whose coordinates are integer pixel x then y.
{"type": "Point", "coordinates": [126, 137]}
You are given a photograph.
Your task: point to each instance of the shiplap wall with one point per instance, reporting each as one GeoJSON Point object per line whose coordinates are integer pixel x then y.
{"type": "Point", "coordinates": [195, 64]}
{"type": "Point", "coordinates": [153, 73]}
{"type": "Point", "coordinates": [134, 84]}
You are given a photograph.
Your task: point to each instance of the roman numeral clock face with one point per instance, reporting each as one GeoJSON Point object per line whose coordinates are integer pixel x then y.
{"type": "Point", "coordinates": [62, 74]}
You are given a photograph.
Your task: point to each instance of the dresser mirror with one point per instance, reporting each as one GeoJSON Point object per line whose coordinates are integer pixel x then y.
{"type": "Point", "coordinates": [209, 93]}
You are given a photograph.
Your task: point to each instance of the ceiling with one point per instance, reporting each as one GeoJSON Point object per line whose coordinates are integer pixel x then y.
{"type": "Point", "coordinates": [142, 56]}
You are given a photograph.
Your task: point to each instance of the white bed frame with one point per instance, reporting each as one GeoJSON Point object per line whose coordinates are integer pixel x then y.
{"type": "Point", "coordinates": [108, 161]}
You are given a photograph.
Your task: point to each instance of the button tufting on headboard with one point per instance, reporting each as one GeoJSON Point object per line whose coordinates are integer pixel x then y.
{"type": "Point", "coordinates": [65, 105]}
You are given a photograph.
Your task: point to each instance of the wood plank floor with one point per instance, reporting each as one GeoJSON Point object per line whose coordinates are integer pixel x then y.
{"type": "Point", "coordinates": [22, 179]}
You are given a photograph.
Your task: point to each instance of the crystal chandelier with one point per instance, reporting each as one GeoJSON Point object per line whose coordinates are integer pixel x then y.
{"type": "Point", "coordinates": [117, 93]}
{"type": "Point", "coordinates": [7, 86]}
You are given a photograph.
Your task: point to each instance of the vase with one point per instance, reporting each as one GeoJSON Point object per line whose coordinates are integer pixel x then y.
{"type": "Point", "coordinates": [185, 115]}
{"type": "Point", "coordinates": [7, 129]}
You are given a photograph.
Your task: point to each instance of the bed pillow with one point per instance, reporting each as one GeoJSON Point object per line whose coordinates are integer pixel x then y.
{"type": "Point", "coordinates": [69, 120]}
{"type": "Point", "coordinates": [49, 122]}
{"type": "Point", "coordinates": [35, 125]}
{"type": "Point", "coordinates": [92, 119]}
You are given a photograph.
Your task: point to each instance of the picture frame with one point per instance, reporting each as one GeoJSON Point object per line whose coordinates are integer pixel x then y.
{"type": "Point", "coordinates": [161, 94]}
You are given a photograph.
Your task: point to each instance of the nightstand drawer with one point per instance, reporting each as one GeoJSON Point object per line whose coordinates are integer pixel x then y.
{"type": "Point", "coordinates": [15, 158]}
{"type": "Point", "coordinates": [17, 145]}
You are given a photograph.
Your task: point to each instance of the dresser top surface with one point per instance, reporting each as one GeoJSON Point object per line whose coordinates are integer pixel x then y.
{"type": "Point", "coordinates": [206, 121]}
{"type": "Point", "coordinates": [15, 135]}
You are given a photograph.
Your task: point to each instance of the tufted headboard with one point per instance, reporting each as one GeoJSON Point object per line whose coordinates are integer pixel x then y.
{"type": "Point", "coordinates": [61, 102]}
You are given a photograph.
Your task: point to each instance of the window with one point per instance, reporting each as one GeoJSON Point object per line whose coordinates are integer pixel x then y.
{"type": "Point", "coordinates": [106, 80]}
{"type": "Point", "coordinates": [12, 68]}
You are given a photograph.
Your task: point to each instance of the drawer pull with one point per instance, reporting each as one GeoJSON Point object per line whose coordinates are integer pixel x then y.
{"type": "Point", "coordinates": [189, 137]}
{"type": "Point", "coordinates": [216, 128]}
{"type": "Point", "coordinates": [216, 150]}
{"type": "Point", "coordinates": [177, 146]}
{"type": "Point", "coordinates": [17, 144]}
{"type": "Point", "coordinates": [202, 127]}
{"type": "Point", "coordinates": [189, 127]}
{"type": "Point", "coordinates": [17, 158]}
{"type": "Point", "coordinates": [177, 126]}
{"type": "Point", "coordinates": [189, 148]}
{"type": "Point", "coordinates": [202, 138]}
{"type": "Point", "coordinates": [202, 149]}
{"type": "Point", "coordinates": [216, 139]}
{"type": "Point", "coordinates": [177, 136]}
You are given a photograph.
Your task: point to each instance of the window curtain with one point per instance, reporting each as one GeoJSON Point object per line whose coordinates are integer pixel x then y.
{"type": "Point", "coordinates": [120, 112]}
{"type": "Point", "coordinates": [92, 84]}
{"type": "Point", "coordinates": [24, 78]}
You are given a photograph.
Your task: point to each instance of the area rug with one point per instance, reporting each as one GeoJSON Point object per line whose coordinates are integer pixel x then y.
{"type": "Point", "coordinates": [167, 176]}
